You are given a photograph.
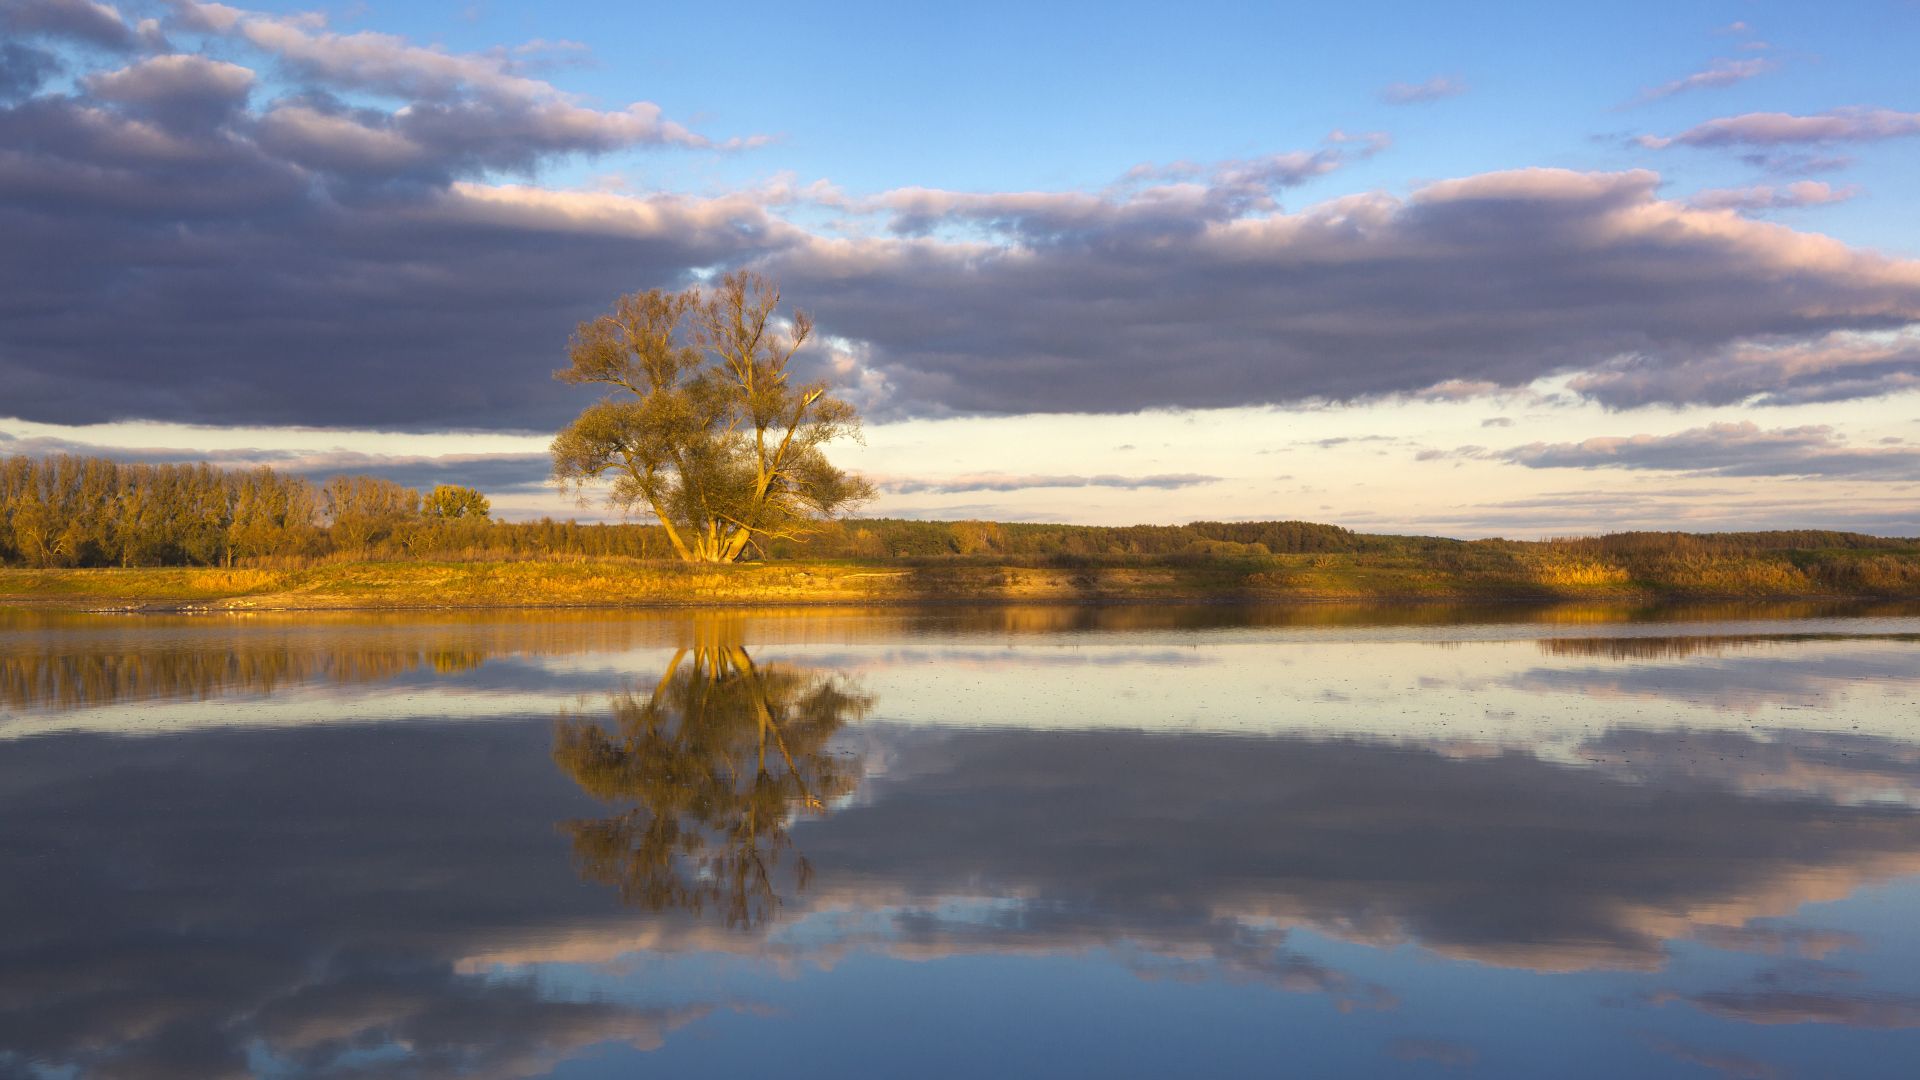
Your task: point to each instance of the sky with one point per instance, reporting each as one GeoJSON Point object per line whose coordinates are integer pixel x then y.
{"type": "Point", "coordinates": [1500, 269]}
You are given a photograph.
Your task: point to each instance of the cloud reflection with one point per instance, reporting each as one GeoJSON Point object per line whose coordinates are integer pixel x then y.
{"type": "Point", "coordinates": [394, 899]}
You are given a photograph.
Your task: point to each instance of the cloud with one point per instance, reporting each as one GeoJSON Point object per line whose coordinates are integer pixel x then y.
{"type": "Point", "coordinates": [1768, 197]}
{"type": "Point", "coordinates": [1439, 1051]}
{"type": "Point", "coordinates": [1008, 482]}
{"type": "Point", "coordinates": [336, 256]}
{"type": "Point", "coordinates": [1726, 1063]}
{"type": "Point", "coordinates": [1718, 74]}
{"type": "Point", "coordinates": [80, 21]}
{"type": "Point", "coordinates": [1795, 163]}
{"type": "Point", "coordinates": [1483, 282]}
{"type": "Point", "coordinates": [1434, 89]}
{"type": "Point", "coordinates": [1150, 200]}
{"type": "Point", "coordinates": [462, 111]}
{"type": "Point", "coordinates": [1727, 449]}
{"type": "Point", "coordinates": [1758, 505]}
{"type": "Point", "coordinates": [178, 89]}
{"type": "Point", "coordinates": [1884, 1011]}
{"type": "Point", "coordinates": [1799, 941]}
{"type": "Point", "coordinates": [492, 473]}
{"type": "Point", "coordinates": [1786, 129]}
{"type": "Point", "coordinates": [23, 69]}
{"type": "Point", "coordinates": [1779, 371]}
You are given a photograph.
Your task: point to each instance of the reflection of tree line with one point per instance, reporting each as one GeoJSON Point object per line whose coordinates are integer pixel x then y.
{"type": "Point", "coordinates": [73, 680]}
{"type": "Point", "coordinates": [711, 767]}
{"type": "Point", "coordinates": [69, 660]}
{"type": "Point", "coordinates": [1678, 648]}
{"type": "Point", "coordinates": [65, 660]}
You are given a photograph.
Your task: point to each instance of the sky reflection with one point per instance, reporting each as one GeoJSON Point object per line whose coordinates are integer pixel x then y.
{"type": "Point", "coordinates": [727, 850]}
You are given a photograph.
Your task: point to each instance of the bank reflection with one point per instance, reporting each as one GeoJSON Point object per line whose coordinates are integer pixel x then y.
{"type": "Point", "coordinates": [709, 768]}
{"type": "Point", "coordinates": [54, 661]}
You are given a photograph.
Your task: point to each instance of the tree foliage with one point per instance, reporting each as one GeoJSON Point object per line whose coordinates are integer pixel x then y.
{"type": "Point", "coordinates": [453, 501]}
{"type": "Point", "coordinates": [703, 424]}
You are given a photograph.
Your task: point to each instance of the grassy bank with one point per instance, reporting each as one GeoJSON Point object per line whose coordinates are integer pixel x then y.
{"type": "Point", "coordinates": [1468, 572]}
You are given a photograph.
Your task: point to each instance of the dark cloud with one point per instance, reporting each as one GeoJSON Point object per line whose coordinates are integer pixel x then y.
{"type": "Point", "coordinates": [82, 21]}
{"type": "Point", "coordinates": [1810, 1007]}
{"type": "Point", "coordinates": [1482, 283]}
{"type": "Point", "coordinates": [1833, 367]}
{"type": "Point", "coordinates": [494, 474]}
{"type": "Point", "coordinates": [1728, 449]}
{"type": "Point", "coordinates": [177, 251]}
{"type": "Point", "coordinates": [176, 88]}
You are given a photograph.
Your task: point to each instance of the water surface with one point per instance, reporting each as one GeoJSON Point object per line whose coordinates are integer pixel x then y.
{"type": "Point", "coordinates": [1105, 842]}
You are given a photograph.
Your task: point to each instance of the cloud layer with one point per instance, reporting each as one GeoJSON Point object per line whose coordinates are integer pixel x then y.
{"type": "Point", "coordinates": [243, 218]}
{"type": "Point", "coordinates": [1729, 449]}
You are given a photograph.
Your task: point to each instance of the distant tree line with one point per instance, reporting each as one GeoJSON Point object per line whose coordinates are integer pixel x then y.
{"type": "Point", "coordinates": [65, 510]}
{"type": "Point", "coordinates": [896, 538]}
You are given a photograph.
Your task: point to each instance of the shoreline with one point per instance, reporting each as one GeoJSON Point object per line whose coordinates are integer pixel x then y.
{"type": "Point", "coordinates": [625, 585]}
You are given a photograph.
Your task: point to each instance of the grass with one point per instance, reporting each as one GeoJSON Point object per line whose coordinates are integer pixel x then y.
{"type": "Point", "coordinates": [1468, 572]}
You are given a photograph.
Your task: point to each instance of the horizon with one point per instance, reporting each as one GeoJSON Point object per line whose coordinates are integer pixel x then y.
{"type": "Point", "coordinates": [1426, 273]}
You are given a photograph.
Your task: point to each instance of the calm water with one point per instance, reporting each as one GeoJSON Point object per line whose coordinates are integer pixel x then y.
{"type": "Point", "coordinates": [1177, 842]}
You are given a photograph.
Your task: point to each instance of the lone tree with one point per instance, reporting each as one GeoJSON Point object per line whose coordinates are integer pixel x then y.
{"type": "Point", "coordinates": [703, 424]}
{"type": "Point", "coordinates": [454, 501]}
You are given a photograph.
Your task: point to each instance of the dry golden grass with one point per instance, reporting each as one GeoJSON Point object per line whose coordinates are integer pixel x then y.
{"type": "Point", "coordinates": [1466, 573]}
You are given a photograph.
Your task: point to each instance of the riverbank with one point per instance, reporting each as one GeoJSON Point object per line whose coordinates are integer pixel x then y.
{"type": "Point", "coordinates": [633, 583]}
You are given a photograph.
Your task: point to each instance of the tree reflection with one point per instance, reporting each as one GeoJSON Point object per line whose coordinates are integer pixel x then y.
{"type": "Point", "coordinates": [713, 766]}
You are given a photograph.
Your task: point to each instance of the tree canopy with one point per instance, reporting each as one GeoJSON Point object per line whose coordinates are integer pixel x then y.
{"type": "Point", "coordinates": [454, 501]}
{"type": "Point", "coordinates": [703, 424]}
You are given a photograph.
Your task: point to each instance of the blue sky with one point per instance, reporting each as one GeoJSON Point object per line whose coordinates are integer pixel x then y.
{"type": "Point", "coordinates": [999, 97]}
{"type": "Point", "coordinates": [1515, 269]}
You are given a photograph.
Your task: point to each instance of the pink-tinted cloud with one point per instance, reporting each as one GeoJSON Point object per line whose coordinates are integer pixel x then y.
{"type": "Point", "coordinates": [1728, 449]}
{"type": "Point", "coordinates": [1720, 73]}
{"type": "Point", "coordinates": [1434, 89]}
{"type": "Point", "coordinates": [1771, 197]}
{"type": "Point", "coordinates": [1787, 129]}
